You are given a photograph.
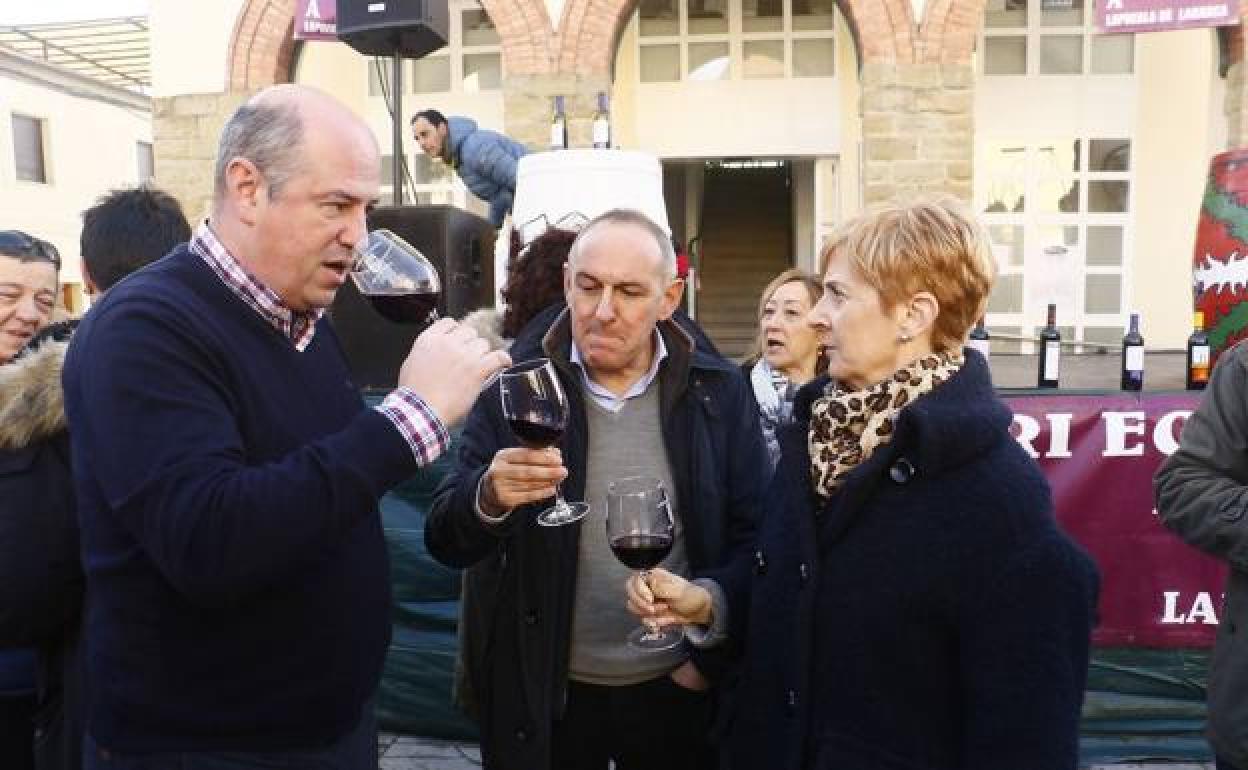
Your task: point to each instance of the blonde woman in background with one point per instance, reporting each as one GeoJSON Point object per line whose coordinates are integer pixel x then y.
{"type": "Point", "coordinates": [785, 353]}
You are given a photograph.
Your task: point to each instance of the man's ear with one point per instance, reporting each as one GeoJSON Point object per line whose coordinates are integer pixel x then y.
{"type": "Point", "coordinates": [671, 297]}
{"type": "Point", "coordinates": [89, 284]}
{"type": "Point", "coordinates": [244, 184]}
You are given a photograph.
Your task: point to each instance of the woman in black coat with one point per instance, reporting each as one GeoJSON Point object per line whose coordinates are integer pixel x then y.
{"type": "Point", "coordinates": [911, 604]}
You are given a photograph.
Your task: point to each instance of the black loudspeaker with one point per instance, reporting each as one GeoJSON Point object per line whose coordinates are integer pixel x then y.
{"type": "Point", "coordinates": [460, 245]}
{"type": "Point", "coordinates": [410, 28]}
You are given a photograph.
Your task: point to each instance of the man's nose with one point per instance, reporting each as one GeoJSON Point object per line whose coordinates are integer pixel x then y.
{"type": "Point", "coordinates": [356, 229]}
{"type": "Point", "coordinates": [29, 310]}
{"type": "Point", "coordinates": [605, 310]}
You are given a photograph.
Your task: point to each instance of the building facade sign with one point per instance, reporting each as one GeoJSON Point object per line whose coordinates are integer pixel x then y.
{"type": "Point", "coordinates": [316, 20]}
{"type": "Point", "coordinates": [1153, 15]}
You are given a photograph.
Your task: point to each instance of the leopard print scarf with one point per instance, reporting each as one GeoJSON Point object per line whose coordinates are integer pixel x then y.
{"type": "Point", "coordinates": [846, 427]}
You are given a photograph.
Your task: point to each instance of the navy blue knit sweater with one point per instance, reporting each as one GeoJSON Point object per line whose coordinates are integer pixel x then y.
{"type": "Point", "coordinates": [228, 486]}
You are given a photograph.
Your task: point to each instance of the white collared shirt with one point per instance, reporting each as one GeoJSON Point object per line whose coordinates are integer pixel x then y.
{"type": "Point", "coordinates": [605, 398]}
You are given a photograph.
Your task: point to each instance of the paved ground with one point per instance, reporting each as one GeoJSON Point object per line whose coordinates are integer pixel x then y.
{"type": "Point", "coordinates": [405, 752]}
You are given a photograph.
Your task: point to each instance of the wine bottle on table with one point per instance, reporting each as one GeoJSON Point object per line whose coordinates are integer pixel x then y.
{"type": "Point", "coordinates": [559, 127]}
{"type": "Point", "coordinates": [1198, 354]}
{"type": "Point", "coordinates": [979, 340]}
{"type": "Point", "coordinates": [1047, 369]}
{"type": "Point", "coordinates": [1133, 356]}
{"type": "Point", "coordinates": [602, 123]}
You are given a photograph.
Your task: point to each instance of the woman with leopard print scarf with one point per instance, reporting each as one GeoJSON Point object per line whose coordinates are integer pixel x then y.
{"type": "Point", "coordinates": [911, 603]}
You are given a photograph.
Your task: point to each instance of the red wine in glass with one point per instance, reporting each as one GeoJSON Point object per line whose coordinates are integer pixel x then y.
{"type": "Point", "coordinates": [406, 308]}
{"type": "Point", "coordinates": [536, 408]}
{"type": "Point", "coordinates": [641, 552]}
{"type": "Point", "coordinates": [535, 432]}
{"type": "Point", "coordinates": [400, 283]}
{"type": "Point", "coordinates": [640, 530]}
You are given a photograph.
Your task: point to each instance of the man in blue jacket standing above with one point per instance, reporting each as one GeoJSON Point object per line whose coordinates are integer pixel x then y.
{"type": "Point", "coordinates": [228, 471]}
{"type": "Point", "coordinates": [484, 159]}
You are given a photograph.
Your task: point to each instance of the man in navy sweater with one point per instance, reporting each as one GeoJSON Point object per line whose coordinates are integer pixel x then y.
{"type": "Point", "coordinates": [228, 472]}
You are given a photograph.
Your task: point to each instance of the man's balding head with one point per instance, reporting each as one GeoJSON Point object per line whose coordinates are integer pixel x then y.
{"type": "Point", "coordinates": [270, 131]}
{"type": "Point", "coordinates": [296, 175]}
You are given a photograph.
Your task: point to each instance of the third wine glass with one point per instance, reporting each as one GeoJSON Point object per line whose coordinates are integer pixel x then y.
{"type": "Point", "coordinates": [640, 530]}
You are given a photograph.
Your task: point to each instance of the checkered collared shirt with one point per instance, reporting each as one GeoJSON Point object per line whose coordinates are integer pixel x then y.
{"type": "Point", "coordinates": [419, 426]}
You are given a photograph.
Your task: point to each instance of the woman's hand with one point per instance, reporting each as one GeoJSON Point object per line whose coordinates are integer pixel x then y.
{"type": "Point", "coordinates": [660, 598]}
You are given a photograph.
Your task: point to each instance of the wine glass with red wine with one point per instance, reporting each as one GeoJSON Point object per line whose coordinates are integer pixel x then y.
{"type": "Point", "coordinates": [536, 408]}
{"type": "Point", "coordinates": [398, 281]}
{"type": "Point", "coordinates": [640, 531]}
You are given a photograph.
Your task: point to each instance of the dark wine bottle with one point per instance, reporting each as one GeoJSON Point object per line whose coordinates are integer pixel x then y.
{"type": "Point", "coordinates": [979, 340]}
{"type": "Point", "coordinates": [1198, 354]}
{"type": "Point", "coordinates": [1050, 352]}
{"type": "Point", "coordinates": [559, 127]}
{"type": "Point", "coordinates": [1133, 356]}
{"type": "Point", "coordinates": [602, 123]}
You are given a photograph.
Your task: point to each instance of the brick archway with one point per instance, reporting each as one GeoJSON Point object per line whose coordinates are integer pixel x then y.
{"type": "Point", "coordinates": [589, 30]}
{"type": "Point", "coordinates": [262, 46]}
{"type": "Point", "coordinates": [949, 30]}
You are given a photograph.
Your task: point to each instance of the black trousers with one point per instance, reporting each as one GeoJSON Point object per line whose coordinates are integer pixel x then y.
{"type": "Point", "coordinates": [655, 725]}
{"type": "Point", "coordinates": [17, 732]}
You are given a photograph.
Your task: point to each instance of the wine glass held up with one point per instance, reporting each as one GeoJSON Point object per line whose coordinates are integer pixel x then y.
{"type": "Point", "coordinates": [640, 531]}
{"type": "Point", "coordinates": [536, 408]}
{"type": "Point", "coordinates": [400, 283]}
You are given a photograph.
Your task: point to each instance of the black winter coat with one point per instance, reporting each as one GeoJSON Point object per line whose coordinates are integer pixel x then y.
{"type": "Point", "coordinates": [519, 637]}
{"type": "Point", "coordinates": [929, 616]}
{"type": "Point", "coordinates": [41, 581]}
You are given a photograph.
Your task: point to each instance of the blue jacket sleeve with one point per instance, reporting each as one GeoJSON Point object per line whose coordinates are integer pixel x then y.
{"type": "Point", "coordinates": [154, 412]}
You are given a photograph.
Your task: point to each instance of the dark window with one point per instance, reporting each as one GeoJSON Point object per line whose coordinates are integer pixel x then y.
{"type": "Point", "coordinates": [28, 149]}
{"type": "Point", "coordinates": [147, 163]}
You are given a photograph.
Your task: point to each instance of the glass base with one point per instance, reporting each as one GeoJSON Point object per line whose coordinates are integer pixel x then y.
{"type": "Point", "coordinates": [562, 513]}
{"type": "Point", "coordinates": [644, 638]}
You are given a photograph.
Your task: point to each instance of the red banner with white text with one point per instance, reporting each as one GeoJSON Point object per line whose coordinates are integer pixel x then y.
{"type": "Point", "coordinates": [1099, 453]}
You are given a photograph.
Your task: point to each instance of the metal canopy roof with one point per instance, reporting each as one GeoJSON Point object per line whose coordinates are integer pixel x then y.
{"type": "Point", "coordinates": [113, 51]}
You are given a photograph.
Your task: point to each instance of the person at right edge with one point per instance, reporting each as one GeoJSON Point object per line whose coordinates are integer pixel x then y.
{"type": "Point", "coordinates": [912, 602]}
{"type": "Point", "coordinates": [1202, 495]}
{"type": "Point", "coordinates": [559, 687]}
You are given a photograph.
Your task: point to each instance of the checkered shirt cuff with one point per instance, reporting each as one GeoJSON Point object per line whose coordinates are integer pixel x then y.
{"type": "Point", "coordinates": [421, 428]}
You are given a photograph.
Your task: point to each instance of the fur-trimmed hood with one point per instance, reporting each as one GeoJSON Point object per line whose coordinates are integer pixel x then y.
{"type": "Point", "coordinates": [488, 324]}
{"type": "Point", "coordinates": [32, 402]}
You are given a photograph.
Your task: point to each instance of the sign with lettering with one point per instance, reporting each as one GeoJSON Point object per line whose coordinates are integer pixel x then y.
{"type": "Point", "coordinates": [1099, 454]}
{"type": "Point", "coordinates": [316, 20]}
{"type": "Point", "coordinates": [1153, 15]}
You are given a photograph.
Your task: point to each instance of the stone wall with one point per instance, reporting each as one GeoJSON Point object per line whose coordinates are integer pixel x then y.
{"type": "Point", "coordinates": [1236, 125]}
{"type": "Point", "coordinates": [528, 104]}
{"type": "Point", "coordinates": [185, 131]}
{"type": "Point", "coordinates": [917, 129]}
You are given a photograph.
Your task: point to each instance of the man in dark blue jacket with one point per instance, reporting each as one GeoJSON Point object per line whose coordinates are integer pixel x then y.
{"type": "Point", "coordinates": [484, 159]}
{"type": "Point", "coordinates": [228, 472]}
{"type": "Point", "coordinates": [556, 684]}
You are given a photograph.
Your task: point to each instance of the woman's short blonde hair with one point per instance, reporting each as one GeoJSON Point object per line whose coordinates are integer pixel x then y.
{"type": "Point", "coordinates": [927, 243]}
{"type": "Point", "coordinates": [814, 290]}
